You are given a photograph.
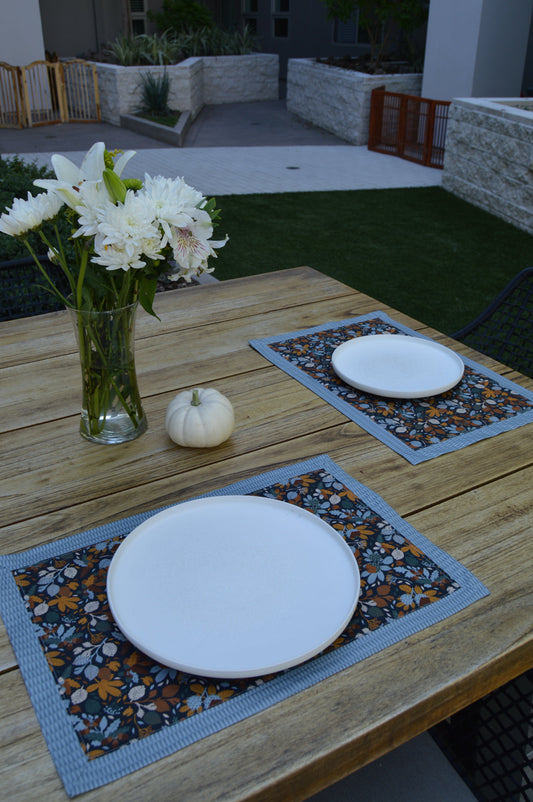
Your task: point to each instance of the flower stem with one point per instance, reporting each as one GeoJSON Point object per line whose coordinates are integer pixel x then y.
{"type": "Point", "coordinates": [53, 287]}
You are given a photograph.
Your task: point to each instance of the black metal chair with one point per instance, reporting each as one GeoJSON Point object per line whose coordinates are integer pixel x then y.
{"type": "Point", "coordinates": [22, 288]}
{"type": "Point", "coordinates": [490, 743]}
{"type": "Point", "coordinates": [504, 330]}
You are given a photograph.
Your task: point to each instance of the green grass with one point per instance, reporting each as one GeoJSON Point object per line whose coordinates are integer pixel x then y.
{"type": "Point", "coordinates": [423, 251]}
{"type": "Point", "coordinates": [163, 119]}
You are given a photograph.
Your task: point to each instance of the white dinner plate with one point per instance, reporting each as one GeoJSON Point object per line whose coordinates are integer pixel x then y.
{"type": "Point", "coordinates": [397, 366]}
{"type": "Point", "coordinates": [233, 586]}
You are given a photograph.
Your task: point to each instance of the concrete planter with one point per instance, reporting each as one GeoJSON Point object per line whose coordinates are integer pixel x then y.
{"type": "Point", "coordinates": [174, 136]}
{"type": "Point", "coordinates": [337, 99]}
{"type": "Point", "coordinates": [489, 156]}
{"type": "Point", "coordinates": [194, 83]}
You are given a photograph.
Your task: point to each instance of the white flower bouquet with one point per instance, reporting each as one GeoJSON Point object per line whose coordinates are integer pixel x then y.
{"type": "Point", "coordinates": [125, 236]}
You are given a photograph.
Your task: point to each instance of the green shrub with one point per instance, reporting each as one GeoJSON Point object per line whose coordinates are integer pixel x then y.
{"type": "Point", "coordinates": [177, 16]}
{"type": "Point", "coordinates": [16, 180]}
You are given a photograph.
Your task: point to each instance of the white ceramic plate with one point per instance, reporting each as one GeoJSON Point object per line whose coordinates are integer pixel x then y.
{"type": "Point", "coordinates": [233, 586]}
{"type": "Point", "coordinates": [397, 366]}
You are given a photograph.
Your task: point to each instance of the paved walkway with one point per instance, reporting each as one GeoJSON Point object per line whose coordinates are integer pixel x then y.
{"type": "Point", "coordinates": [240, 148]}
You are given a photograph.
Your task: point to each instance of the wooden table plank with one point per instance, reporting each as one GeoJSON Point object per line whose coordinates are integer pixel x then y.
{"type": "Point", "coordinates": [178, 310]}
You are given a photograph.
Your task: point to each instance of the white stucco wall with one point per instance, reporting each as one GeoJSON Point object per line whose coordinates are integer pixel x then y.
{"type": "Point", "coordinates": [476, 48]}
{"type": "Point", "coordinates": [21, 36]}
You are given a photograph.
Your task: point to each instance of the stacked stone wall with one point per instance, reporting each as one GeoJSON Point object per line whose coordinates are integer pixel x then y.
{"type": "Point", "coordinates": [239, 79]}
{"type": "Point", "coordinates": [194, 83]}
{"type": "Point", "coordinates": [338, 100]}
{"type": "Point", "coordinates": [488, 158]}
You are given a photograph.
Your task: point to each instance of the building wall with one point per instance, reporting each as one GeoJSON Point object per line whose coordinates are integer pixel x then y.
{"type": "Point", "coordinates": [476, 48]}
{"type": "Point", "coordinates": [21, 38]}
{"type": "Point", "coordinates": [75, 29]}
{"type": "Point", "coordinates": [309, 31]}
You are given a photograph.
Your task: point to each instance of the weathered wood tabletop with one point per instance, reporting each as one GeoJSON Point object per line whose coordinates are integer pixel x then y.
{"type": "Point", "coordinates": [470, 503]}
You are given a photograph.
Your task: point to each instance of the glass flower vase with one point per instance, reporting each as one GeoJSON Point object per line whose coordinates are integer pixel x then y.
{"type": "Point", "coordinates": [111, 404]}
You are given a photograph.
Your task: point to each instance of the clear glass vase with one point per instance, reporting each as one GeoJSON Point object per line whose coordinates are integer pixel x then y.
{"type": "Point", "coordinates": [111, 405]}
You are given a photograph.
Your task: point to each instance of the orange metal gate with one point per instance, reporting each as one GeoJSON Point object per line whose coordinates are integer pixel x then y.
{"type": "Point", "coordinates": [45, 92]}
{"type": "Point", "coordinates": [408, 126]}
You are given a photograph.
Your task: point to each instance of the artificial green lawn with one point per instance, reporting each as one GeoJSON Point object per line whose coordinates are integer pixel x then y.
{"type": "Point", "coordinates": [422, 250]}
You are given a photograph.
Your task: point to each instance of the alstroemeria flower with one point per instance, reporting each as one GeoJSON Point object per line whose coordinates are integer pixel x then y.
{"type": "Point", "coordinates": [25, 215]}
{"type": "Point", "coordinates": [192, 247]}
{"type": "Point", "coordinates": [70, 177]}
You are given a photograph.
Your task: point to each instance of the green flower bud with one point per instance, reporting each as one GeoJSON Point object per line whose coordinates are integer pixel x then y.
{"type": "Point", "coordinates": [115, 186]}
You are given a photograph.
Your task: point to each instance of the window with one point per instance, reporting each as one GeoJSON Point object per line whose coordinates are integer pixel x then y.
{"type": "Point", "coordinates": [281, 27]}
{"type": "Point", "coordinates": [281, 10]}
{"type": "Point", "coordinates": [249, 12]}
{"type": "Point", "coordinates": [138, 17]}
{"type": "Point", "coordinates": [349, 33]}
{"type": "Point", "coordinates": [345, 33]}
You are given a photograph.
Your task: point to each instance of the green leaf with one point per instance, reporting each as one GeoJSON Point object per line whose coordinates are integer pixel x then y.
{"type": "Point", "coordinates": [147, 288]}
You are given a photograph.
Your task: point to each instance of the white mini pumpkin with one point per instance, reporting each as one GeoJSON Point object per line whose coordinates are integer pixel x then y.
{"type": "Point", "coordinates": [200, 418]}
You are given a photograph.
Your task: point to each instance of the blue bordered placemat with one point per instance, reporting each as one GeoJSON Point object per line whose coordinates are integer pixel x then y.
{"type": "Point", "coordinates": [106, 710]}
{"type": "Point", "coordinates": [482, 405]}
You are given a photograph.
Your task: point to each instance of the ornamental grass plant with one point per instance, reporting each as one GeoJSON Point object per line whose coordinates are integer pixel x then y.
{"type": "Point", "coordinates": [168, 48]}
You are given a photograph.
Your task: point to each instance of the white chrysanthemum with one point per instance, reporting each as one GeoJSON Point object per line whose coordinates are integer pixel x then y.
{"type": "Point", "coordinates": [174, 202]}
{"type": "Point", "coordinates": [25, 215]}
{"type": "Point", "coordinates": [115, 258]}
{"type": "Point", "coordinates": [127, 232]}
{"type": "Point", "coordinates": [93, 207]}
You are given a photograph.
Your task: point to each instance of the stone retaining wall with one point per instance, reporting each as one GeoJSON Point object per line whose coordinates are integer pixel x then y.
{"type": "Point", "coordinates": [194, 83]}
{"type": "Point", "coordinates": [489, 157]}
{"type": "Point", "coordinates": [337, 99]}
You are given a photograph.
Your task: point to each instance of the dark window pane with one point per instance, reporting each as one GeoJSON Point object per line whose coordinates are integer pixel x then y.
{"type": "Point", "coordinates": [138, 27]}
{"type": "Point", "coordinates": [345, 33]}
{"type": "Point", "coordinates": [281, 27]}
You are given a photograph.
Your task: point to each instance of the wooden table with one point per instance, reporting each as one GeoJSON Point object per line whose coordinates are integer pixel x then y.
{"type": "Point", "coordinates": [469, 502]}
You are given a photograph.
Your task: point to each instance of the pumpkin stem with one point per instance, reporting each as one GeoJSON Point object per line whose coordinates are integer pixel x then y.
{"type": "Point", "coordinates": [195, 401]}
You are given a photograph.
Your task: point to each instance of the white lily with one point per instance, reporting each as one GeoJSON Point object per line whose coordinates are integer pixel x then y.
{"type": "Point", "coordinates": [70, 177]}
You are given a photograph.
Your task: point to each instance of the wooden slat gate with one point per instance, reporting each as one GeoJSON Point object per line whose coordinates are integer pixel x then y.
{"type": "Point", "coordinates": [11, 103]}
{"type": "Point", "coordinates": [46, 92]}
{"type": "Point", "coordinates": [408, 126]}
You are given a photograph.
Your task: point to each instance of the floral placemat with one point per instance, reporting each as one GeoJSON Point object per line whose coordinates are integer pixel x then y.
{"type": "Point", "coordinates": [480, 406]}
{"type": "Point", "coordinates": [106, 709]}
